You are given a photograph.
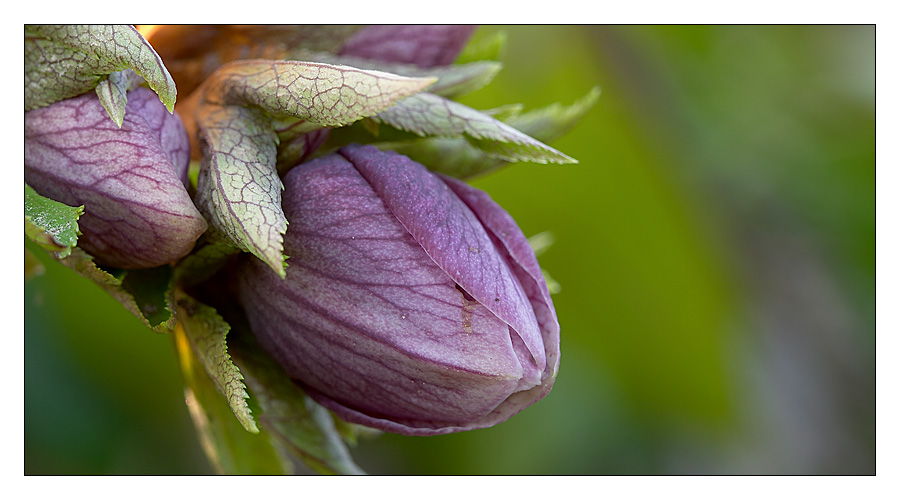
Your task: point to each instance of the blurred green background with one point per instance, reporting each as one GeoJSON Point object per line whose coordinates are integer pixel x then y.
{"type": "Point", "coordinates": [715, 248]}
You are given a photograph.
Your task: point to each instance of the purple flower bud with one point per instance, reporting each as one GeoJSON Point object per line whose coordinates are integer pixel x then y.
{"type": "Point", "coordinates": [422, 45]}
{"type": "Point", "coordinates": [412, 303]}
{"type": "Point", "coordinates": [131, 180]}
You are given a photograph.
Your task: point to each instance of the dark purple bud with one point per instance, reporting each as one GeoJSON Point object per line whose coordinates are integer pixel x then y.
{"type": "Point", "coordinates": [412, 303]}
{"type": "Point", "coordinates": [422, 45]}
{"type": "Point", "coordinates": [131, 180]}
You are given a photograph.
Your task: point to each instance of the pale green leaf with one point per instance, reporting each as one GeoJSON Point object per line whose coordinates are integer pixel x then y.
{"type": "Point", "coordinates": [226, 443]}
{"type": "Point", "coordinates": [63, 61]}
{"type": "Point", "coordinates": [554, 121]}
{"type": "Point", "coordinates": [51, 224]}
{"type": "Point", "coordinates": [322, 94]}
{"type": "Point", "coordinates": [303, 427]}
{"type": "Point", "coordinates": [238, 188]}
{"type": "Point", "coordinates": [113, 93]}
{"type": "Point", "coordinates": [452, 81]}
{"type": "Point", "coordinates": [504, 112]}
{"type": "Point", "coordinates": [205, 330]}
{"type": "Point", "coordinates": [430, 115]}
{"type": "Point", "coordinates": [553, 286]}
{"type": "Point", "coordinates": [458, 158]}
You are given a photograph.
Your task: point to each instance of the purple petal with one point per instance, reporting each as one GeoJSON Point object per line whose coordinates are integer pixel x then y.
{"type": "Point", "coordinates": [422, 45]}
{"type": "Point", "coordinates": [367, 321]}
{"type": "Point", "coordinates": [452, 236]}
{"type": "Point", "coordinates": [167, 128]}
{"type": "Point", "coordinates": [131, 179]}
{"type": "Point", "coordinates": [521, 259]}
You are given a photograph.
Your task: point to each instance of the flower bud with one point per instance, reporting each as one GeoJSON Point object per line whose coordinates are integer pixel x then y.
{"type": "Point", "coordinates": [131, 180]}
{"type": "Point", "coordinates": [412, 304]}
{"type": "Point", "coordinates": [421, 45]}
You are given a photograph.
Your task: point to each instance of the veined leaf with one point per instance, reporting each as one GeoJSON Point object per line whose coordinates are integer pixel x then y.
{"type": "Point", "coordinates": [51, 224]}
{"type": "Point", "coordinates": [322, 94]}
{"type": "Point", "coordinates": [239, 190]}
{"type": "Point", "coordinates": [33, 266]}
{"type": "Point", "coordinates": [452, 81]}
{"type": "Point", "coordinates": [458, 158]}
{"type": "Point", "coordinates": [205, 330]}
{"type": "Point", "coordinates": [226, 443]}
{"type": "Point", "coordinates": [302, 426]}
{"type": "Point", "coordinates": [63, 61]}
{"type": "Point", "coordinates": [430, 115]}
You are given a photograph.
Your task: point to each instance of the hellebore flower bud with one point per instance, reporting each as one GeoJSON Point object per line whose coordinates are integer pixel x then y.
{"type": "Point", "coordinates": [131, 180]}
{"type": "Point", "coordinates": [412, 304]}
{"type": "Point", "coordinates": [422, 45]}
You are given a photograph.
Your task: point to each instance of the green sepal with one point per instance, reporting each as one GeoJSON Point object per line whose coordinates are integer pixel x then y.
{"type": "Point", "coordinates": [51, 224]}
{"type": "Point", "coordinates": [430, 115]}
{"type": "Point", "coordinates": [205, 331]}
{"type": "Point", "coordinates": [225, 441]}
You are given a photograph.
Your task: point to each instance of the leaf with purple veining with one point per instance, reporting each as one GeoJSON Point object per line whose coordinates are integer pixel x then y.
{"type": "Point", "coordinates": [238, 189]}
{"type": "Point", "coordinates": [325, 95]}
{"type": "Point", "coordinates": [63, 61]}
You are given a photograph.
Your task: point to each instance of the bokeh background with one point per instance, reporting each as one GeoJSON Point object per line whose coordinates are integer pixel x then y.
{"type": "Point", "coordinates": [715, 250]}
